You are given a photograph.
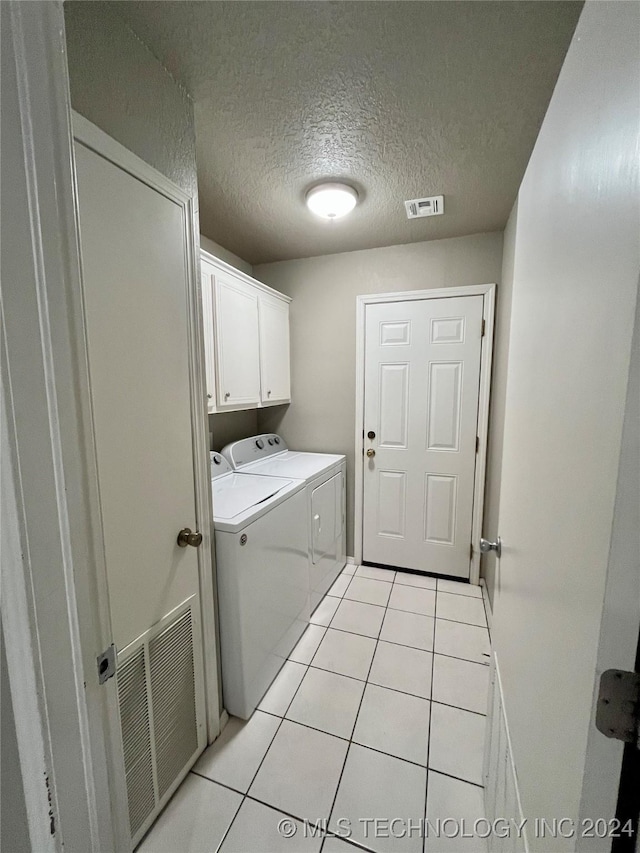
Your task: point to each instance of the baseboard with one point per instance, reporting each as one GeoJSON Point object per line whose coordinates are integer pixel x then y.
{"type": "Point", "coordinates": [501, 791]}
{"type": "Point", "coordinates": [224, 719]}
{"type": "Point", "coordinates": [487, 604]}
{"type": "Point", "coordinates": [351, 561]}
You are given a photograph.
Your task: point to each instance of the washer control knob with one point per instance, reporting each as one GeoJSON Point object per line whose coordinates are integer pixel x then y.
{"type": "Point", "coordinates": [259, 444]}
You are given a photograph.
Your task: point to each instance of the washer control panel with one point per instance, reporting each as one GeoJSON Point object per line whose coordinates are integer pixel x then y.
{"type": "Point", "coordinates": [252, 449]}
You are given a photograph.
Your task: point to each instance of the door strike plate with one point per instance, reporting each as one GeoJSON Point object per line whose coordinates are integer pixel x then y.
{"type": "Point", "coordinates": [618, 711]}
{"type": "Point", "coordinates": [106, 663]}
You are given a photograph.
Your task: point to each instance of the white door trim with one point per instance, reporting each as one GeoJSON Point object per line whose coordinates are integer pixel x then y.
{"type": "Point", "coordinates": [95, 139]}
{"type": "Point", "coordinates": [487, 291]}
{"type": "Point", "coordinates": [53, 626]}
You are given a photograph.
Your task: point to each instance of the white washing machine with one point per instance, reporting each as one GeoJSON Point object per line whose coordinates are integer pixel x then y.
{"type": "Point", "coordinates": [262, 569]}
{"type": "Point", "coordinates": [324, 476]}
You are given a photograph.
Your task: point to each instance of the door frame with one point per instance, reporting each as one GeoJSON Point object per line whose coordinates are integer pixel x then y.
{"type": "Point", "coordinates": [488, 292]}
{"type": "Point", "coordinates": [55, 618]}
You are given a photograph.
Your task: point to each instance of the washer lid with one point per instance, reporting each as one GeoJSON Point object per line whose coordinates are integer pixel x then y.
{"type": "Point", "coordinates": [240, 499]}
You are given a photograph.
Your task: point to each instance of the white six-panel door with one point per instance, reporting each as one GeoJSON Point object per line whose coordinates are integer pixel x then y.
{"type": "Point", "coordinates": [422, 370]}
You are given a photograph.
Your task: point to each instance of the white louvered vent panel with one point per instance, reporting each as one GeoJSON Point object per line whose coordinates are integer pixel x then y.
{"type": "Point", "coordinates": [173, 697]}
{"type": "Point", "coordinates": [136, 739]}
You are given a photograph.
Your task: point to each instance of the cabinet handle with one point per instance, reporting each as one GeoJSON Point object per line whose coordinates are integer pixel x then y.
{"type": "Point", "coordinates": [209, 396]}
{"type": "Point", "coordinates": [268, 393]}
{"type": "Point", "coordinates": [227, 395]}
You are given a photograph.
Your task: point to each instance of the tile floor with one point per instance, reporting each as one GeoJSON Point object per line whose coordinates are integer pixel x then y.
{"type": "Point", "coordinates": [377, 714]}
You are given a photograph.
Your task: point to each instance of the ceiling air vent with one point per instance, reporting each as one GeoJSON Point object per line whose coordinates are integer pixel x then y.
{"type": "Point", "coordinates": [418, 207]}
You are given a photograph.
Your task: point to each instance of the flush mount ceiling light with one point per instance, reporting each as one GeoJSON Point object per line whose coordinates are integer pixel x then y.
{"type": "Point", "coordinates": [331, 201]}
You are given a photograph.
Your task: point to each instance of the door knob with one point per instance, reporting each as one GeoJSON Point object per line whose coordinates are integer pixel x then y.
{"type": "Point", "coordinates": [486, 546]}
{"type": "Point", "coordinates": [186, 537]}
{"type": "Point", "coordinates": [371, 452]}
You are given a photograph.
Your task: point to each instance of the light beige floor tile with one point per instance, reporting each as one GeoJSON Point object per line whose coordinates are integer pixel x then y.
{"type": "Point", "coordinates": [279, 695]}
{"type": "Point", "coordinates": [461, 608]}
{"type": "Point", "coordinates": [340, 586]}
{"type": "Point", "coordinates": [255, 830]}
{"type": "Point", "coordinates": [374, 785]}
{"type": "Point", "coordinates": [368, 591]}
{"type": "Point", "coordinates": [358, 618]}
{"type": "Point", "coordinates": [327, 701]}
{"type": "Point", "coordinates": [235, 756]}
{"type": "Point", "coordinates": [195, 820]}
{"type": "Point", "coordinates": [410, 579]}
{"type": "Point", "coordinates": [300, 773]}
{"type": "Point", "coordinates": [376, 573]}
{"type": "Point", "coordinates": [413, 600]}
{"type": "Point", "coordinates": [452, 800]}
{"type": "Point", "coordinates": [460, 683]}
{"type": "Point", "coordinates": [408, 629]}
{"type": "Point", "coordinates": [395, 723]}
{"type": "Point", "coordinates": [462, 641]}
{"type": "Point", "coordinates": [308, 644]}
{"type": "Point", "coordinates": [402, 668]}
{"type": "Point", "coordinates": [346, 654]}
{"type": "Point", "coordinates": [323, 614]}
{"type": "Point", "coordinates": [459, 588]}
{"type": "Point", "coordinates": [457, 743]}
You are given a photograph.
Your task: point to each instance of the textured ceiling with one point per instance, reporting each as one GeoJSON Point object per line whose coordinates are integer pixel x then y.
{"type": "Point", "coordinates": [401, 99]}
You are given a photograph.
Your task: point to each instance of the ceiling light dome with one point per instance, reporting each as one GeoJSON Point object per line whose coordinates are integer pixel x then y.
{"type": "Point", "coordinates": [331, 201]}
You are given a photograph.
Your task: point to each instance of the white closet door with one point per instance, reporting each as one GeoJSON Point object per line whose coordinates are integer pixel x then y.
{"type": "Point", "coordinates": [422, 368]}
{"type": "Point", "coordinates": [136, 286]}
{"type": "Point", "coordinates": [237, 343]}
{"type": "Point", "coordinates": [274, 350]}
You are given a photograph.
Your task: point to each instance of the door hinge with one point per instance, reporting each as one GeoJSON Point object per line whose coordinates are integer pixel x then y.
{"type": "Point", "coordinates": [471, 552]}
{"type": "Point", "coordinates": [618, 709]}
{"type": "Point", "coordinates": [477, 443]}
{"type": "Point", "coordinates": [483, 328]}
{"type": "Point", "coordinates": [106, 664]}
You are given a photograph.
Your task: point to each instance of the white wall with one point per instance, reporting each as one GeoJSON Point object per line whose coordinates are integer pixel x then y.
{"type": "Point", "coordinates": [323, 359]}
{"type": "Point", "coordinates": [225, 255]}
{"type": "Point", "coordinates": [575, 279]}
{"type": "Point", "coordinates": [118, 84]}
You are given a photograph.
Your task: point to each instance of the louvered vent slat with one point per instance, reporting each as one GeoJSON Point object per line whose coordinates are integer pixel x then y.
{"type": "Point", "coordinates": [136, 739]}
{"type": "Point", "coordinates": [173, 696]}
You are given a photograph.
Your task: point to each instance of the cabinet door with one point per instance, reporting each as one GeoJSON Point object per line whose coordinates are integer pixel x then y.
{"type": "Point", "coordinates": [206, 282]}
{"type": "Point", "coordinates": [237, 348]}
{"type": "Point", "coordinates": [275, 369]}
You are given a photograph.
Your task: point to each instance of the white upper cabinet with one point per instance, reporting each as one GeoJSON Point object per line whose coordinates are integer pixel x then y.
{"type": "Point", "coordinates": [246, 332]}
{"type": "Point", "coordinates": [274, 350]}
{"type": "Point", "coordinates": [237, 349]}
{"type": "Point", "coordinates": [207, 273]}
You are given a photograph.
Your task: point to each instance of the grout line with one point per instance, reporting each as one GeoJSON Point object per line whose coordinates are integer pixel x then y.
{"type": "Point", "coordinates": [355, 721]}
{"type": "Point", "coordinates": [460, 622]}
{"type": "Point", "coordinates": [253, 779]}
{"type": "Point", "coordinates": [433, 660]}
{"type": "Point", "coordinates": [457, 778]}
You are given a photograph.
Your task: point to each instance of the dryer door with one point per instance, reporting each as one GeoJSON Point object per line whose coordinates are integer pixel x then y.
{"type": "Point", "coordinates": [326, 502]}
